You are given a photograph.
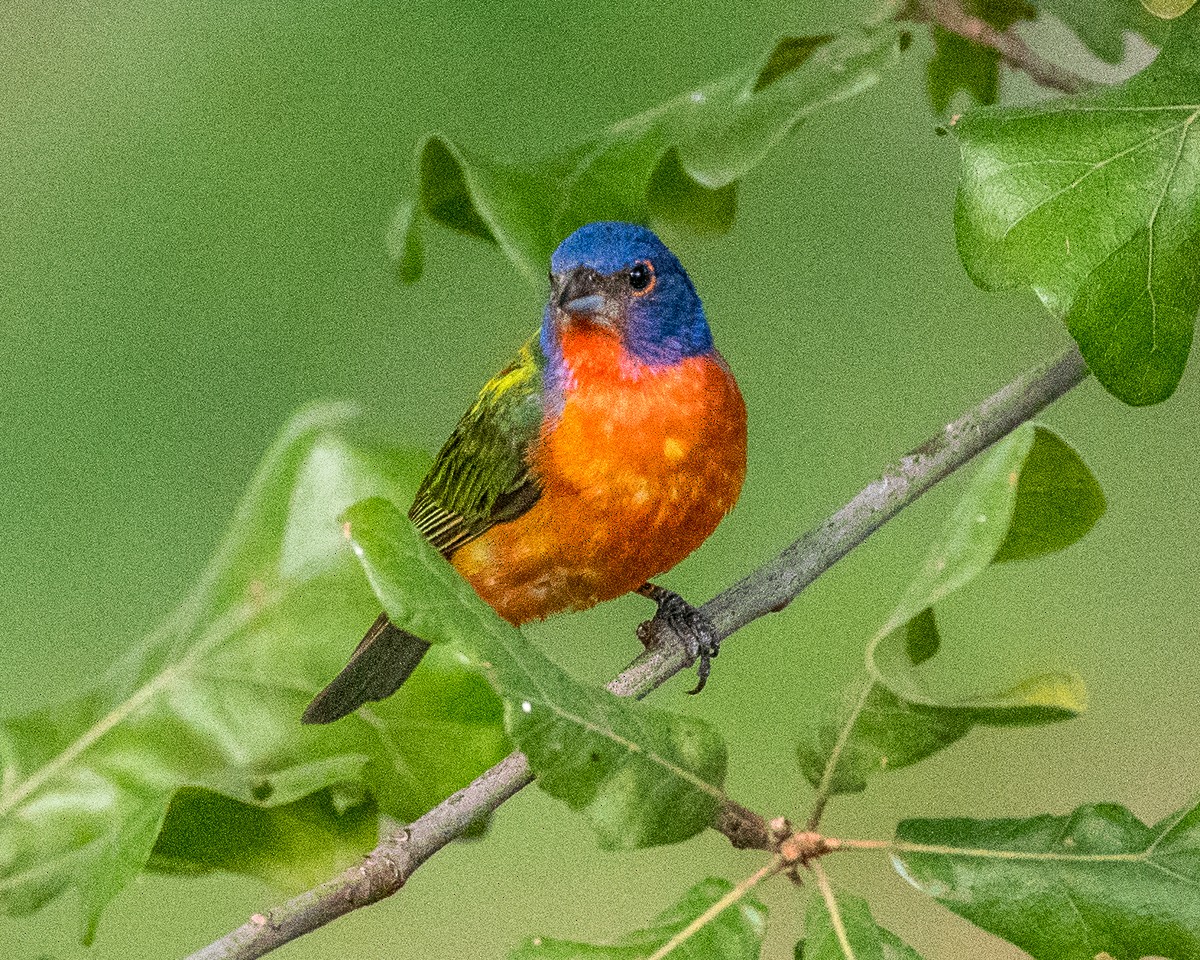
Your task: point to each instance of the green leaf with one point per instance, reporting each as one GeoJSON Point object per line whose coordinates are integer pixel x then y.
{"type": "Point", "coordinates": [201, 724]}
{"type": "Point", "coordinates": [1102, 24]}
{"type": "Point", "coordinates": [875, 728]}
{"type": "Point", "coordinates": [958, 64]}
{"type": "Point", "coordinates": [676, 165]}
{"type": "Point", "coordinates": [641, 776]}
{"type": "Point", "coordinates": [1094, 202]}
{"type": "Point", "coordinates": [1075, 887]}
{"type": "Point", "coordinates": [736, 933]}
{"type": "Point", "coordinates": [294, 846]}
{"type": "Point", "coordinates": [867, 940]}
{"type": "Point", "coordinates": [1032, 495]}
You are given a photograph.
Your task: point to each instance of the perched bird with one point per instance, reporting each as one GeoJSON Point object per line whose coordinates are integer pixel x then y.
{"type": "Point", "coordinates": [604, 454]}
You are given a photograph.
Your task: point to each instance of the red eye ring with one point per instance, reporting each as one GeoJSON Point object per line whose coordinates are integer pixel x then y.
{"type": "Point", "coordinates": [642, 278]}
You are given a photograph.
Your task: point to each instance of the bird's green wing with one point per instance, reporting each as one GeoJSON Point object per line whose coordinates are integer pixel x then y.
{"type": "Point", "coordinates": [482, 475]}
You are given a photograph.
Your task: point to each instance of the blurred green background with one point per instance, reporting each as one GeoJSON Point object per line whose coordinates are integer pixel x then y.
{"type": "Point", "coordinates": [193, 199]}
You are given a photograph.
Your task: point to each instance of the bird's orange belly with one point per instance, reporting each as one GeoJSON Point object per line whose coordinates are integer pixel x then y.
{"type": "Point", "coordinates": [628, 492]}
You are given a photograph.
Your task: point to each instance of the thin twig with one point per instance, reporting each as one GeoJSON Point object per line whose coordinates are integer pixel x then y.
{"type": "Point", "coordinates": [950, 15]}
{"type": "Point", "coordinates": [770, 588]}
{"type": "Point", "coordinates": [727, 901]}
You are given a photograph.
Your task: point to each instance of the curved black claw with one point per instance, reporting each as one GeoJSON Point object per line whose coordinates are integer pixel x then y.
{"type": "Point", "coordinates": [689, 624]}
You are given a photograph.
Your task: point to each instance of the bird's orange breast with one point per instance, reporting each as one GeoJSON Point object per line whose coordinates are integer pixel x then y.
{"type": "Point", "coordinates": [637, 469]}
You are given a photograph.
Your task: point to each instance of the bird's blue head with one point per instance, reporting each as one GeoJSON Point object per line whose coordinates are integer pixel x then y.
{"type": "Point", "coordinates": [622, 278]}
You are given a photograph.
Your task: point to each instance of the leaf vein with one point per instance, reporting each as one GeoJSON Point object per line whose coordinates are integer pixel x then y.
{"type": "Point", "coordinates": [635, 748]}
{"type": "Point", "coordinates": [1150, 231]}
{"type": "Point", "coordinates": [1099, 165]}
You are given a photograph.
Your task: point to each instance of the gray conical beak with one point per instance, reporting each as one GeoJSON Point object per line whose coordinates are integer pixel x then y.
{"type": "Point", "coordinates": [581, 293]}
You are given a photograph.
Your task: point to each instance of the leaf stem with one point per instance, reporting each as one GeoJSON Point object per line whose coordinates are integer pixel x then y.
{"type": "Point", "coordinates": [950, 15]}
{"type": "Point", "coordinates": [984, 853]}
{"type": "Point", "coordinates": [825, 787]}
{"type": "Point", "coordinates": [768, 589]}
{"type": "Point", "coordinates": [218, 632]}
{"type": "Point", "coordinates": [727, 901]}
{"type": "Point", "coordinates": [831, 905]}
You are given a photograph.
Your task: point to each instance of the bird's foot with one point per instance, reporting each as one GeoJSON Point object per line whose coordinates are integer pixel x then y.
{"type": "Point", "coordinates": [699, 636]}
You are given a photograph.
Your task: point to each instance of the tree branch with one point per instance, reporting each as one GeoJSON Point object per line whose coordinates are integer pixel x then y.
{"type": "Point", "coordinates": [952, 16]}
{"type": "Point", "coordinates": [768, 589]}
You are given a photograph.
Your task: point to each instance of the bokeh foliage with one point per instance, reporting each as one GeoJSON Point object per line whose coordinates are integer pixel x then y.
{"type": "Point", "coordinates": [676, 165]}
{"type": "Point", "coordinates": [213, 857]}
{"type": "Point", "coordinates": [209, 705]}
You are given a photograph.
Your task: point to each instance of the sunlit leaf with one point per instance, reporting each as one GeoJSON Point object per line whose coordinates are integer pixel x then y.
{"type": "Point", "coordinates": [1094, 202]}
{"type": "Point", "coordinates": [677, 164]}
{"type": "Point", "coordinates": [1098, 882]}
{"type": "Point", "coordinates": [734, 934]}
{"type": "Point", "coordinates": [203, 720]}
{"type": "Point", "coordinates": [866, 939]}
{"type": "Point", "coordinates": [641, 776]}
{"type": "Point", "coordinates": [1168, 9]}
{"type": "Point", "coordinates": [1032, 495]}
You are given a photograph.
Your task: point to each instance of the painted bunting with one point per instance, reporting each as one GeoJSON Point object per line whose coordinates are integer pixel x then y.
{"type": "Point", "coordinates": [604, 454]}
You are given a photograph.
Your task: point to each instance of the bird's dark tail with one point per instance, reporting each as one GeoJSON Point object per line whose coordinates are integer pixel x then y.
{"type": "Point", "coordinates": [384, 659]}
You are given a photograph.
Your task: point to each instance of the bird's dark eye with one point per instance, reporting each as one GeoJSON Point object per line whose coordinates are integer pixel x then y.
{"type": "Point", "coordinates": [641, 276]}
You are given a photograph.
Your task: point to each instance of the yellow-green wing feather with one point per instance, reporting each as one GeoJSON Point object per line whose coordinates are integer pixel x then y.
{"type": "Point", "coordinates": [482, 475]}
